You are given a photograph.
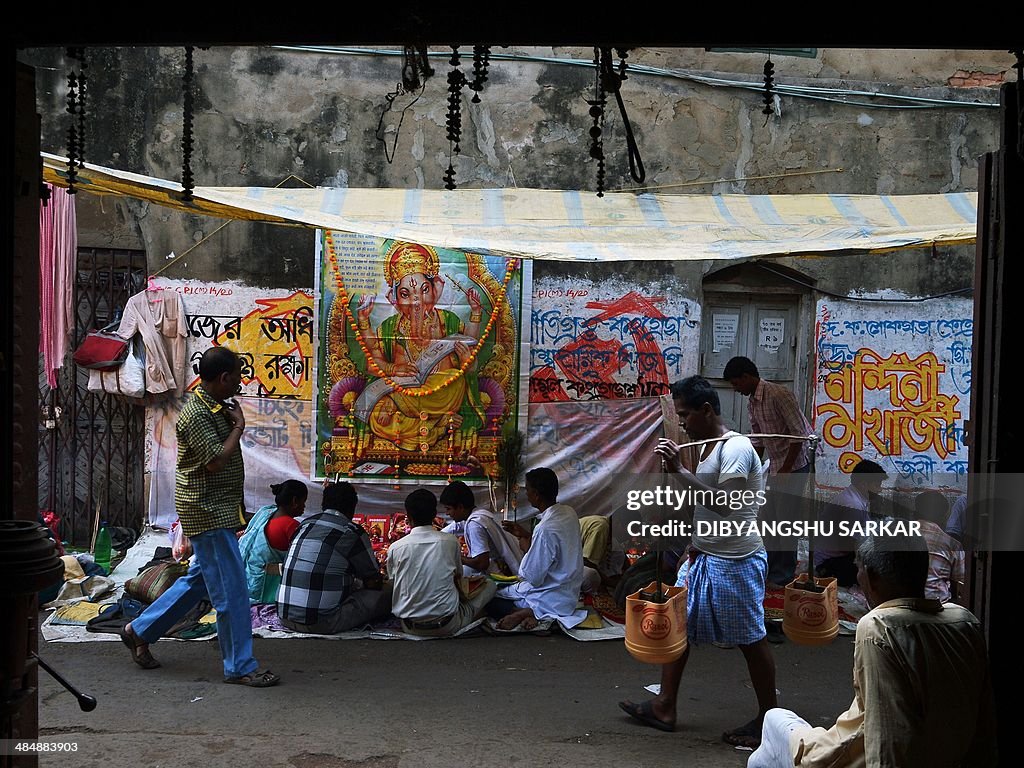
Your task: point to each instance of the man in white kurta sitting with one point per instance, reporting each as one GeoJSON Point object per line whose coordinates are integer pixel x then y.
{"type": "Point", "coordinates": [551, 571]}
{"type": "Point", "coordinates": [492, 549]}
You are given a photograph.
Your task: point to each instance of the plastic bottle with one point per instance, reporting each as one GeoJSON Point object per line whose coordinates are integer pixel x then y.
{"type": "Point", "coordinates": [101, 554]}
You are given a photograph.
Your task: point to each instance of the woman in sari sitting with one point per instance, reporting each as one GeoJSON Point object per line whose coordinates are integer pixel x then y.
{"type": "Point", "coordinates": [261, 543]}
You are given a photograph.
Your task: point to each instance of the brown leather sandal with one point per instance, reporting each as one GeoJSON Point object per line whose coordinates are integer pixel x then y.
{"type": "Point", "coordinates": [261, 678]}
{"type": "Point", "coordinates": [139, 648]}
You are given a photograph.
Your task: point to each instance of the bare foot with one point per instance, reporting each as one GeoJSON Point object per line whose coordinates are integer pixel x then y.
{"type": "Point", "coordinates": [521, 617]}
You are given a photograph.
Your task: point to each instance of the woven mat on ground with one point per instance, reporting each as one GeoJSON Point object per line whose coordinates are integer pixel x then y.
{"type": "Point", "coordinates": [591, 630]}
{"type": "Point", "coordinates": [68, 626]}
{"type": "Point", "coordinates": [594, 627]}
{"type": "Point", "coordinates": [604, 603]}
{"type": "Point", "coordinates": [265, 623]}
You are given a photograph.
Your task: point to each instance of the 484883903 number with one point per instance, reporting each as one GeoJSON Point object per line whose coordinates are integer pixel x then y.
{"type": "Point", "coordinates": [14, 747]}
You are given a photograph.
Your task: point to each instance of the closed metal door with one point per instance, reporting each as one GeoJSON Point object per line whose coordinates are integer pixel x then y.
{"type": "Point", "coordinates": [762, 328]}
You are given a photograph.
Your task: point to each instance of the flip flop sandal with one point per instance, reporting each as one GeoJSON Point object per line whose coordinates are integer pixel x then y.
{"type": "Point", "coordinates": [140, 650]}
{"type": "Point", "coordinates": [644, 713]}
{"type": "Point", "coordinates": [747, 735]}
{"type": "Point", "coordinates": [258, 679]}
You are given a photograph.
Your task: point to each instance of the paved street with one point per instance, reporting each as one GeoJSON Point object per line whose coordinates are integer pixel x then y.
{"type": "Point", "coordinates": [484, 701]}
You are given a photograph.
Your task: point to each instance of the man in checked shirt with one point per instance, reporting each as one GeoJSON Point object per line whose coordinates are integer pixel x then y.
{"type": "Point", "coordinates": [208, 495]}
{"type": "Point", "coordinates": [773, 409]}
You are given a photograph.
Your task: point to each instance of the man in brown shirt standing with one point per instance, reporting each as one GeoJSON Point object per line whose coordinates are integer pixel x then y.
{"type": "Point", "coordinates": [773, 409]}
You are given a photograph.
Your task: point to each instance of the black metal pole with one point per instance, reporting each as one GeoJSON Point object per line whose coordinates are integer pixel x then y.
{"type": "Point", "coordinates": [85, 701]}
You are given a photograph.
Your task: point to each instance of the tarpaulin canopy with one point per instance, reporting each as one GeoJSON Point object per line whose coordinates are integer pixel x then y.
{"type": "Point", "coordinates": [569, 225]}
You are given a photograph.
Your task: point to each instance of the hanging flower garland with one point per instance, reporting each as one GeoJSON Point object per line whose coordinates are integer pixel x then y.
{"type": "Point", "coordinates": [769, 89]}
{"type": "Point", "coordinates": [76, 128]}
{"type": "Point", "coordinates": [376, 369]}
{"type": "Point", "coordinates": [597, 105]}
{"type": "Point", "coordinates": [481, 61]}
{"type": "Point", "coordinates": [188, 118]}
{"type": "Point", "coordinates": [453, 121]}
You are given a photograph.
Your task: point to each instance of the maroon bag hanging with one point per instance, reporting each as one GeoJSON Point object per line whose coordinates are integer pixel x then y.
{"type": "Point", "coordinates": [102, 350]}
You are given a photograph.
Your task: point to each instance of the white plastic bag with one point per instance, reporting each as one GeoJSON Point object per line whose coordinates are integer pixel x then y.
{"type": "Point", "coordinates": [128, 379]}
{"type": "Point", "coordinates": [181, 547]}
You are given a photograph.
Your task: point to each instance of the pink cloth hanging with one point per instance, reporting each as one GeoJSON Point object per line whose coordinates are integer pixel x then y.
{"type": "Point", "coordinates": [58, 250]}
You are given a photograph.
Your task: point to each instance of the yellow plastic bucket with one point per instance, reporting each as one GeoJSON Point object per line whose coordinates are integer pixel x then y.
{"type": "Point", "coordinates": [811, 618]}
{"type": "Point", "coordinates": [656, 632]}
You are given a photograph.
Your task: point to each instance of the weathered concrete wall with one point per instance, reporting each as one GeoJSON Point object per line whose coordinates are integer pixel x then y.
{"type": "Point", "coordinates": [265, 113]}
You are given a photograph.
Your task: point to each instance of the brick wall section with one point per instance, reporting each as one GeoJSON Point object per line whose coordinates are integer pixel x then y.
{"type": "Point", "coordinates": [963, 79]}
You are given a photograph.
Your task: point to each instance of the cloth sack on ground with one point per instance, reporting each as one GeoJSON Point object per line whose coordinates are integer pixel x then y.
{"type": "Point", "coordinates": [83, 588]}
{"type": "Point", "coordinates": [72, 568]}
{"type": "Point", "coordinates": [114, 616]}
{"type": "Point", "coordinates": [160, 555]}
{"type": "Point", "coordinates": [154, 580]}
{"type": "Point", "coordinates": [88, 563]}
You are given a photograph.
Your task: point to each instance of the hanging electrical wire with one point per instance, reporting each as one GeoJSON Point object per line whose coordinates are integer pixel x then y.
{"type": "Point", "coordinates": [813, 92]}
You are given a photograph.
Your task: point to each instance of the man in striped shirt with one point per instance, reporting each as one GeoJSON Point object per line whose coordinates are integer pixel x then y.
{"type": "Point", "coordinates": [773, 409]}
{"type": "Point", "coordinates": [208, 495]}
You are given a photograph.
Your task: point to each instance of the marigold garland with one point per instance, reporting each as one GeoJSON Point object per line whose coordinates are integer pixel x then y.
{"type": "Point", "coordinates": [372, 364]}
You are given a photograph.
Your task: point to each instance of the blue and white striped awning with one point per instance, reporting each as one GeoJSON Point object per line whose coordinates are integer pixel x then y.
{"type": "Point", "coordinates": [574, 225]}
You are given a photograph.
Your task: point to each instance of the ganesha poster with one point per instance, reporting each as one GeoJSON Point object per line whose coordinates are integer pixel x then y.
{"type": "Point", "coordinates": [419, 362]}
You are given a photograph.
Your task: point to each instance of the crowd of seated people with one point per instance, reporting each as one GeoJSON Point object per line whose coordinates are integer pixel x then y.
{"type": "Point", "coordinates": [323, 575]}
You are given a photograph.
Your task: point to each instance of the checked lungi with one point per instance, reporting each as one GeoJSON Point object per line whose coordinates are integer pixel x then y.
{"type": "Point", "coordinates": [725, 602]}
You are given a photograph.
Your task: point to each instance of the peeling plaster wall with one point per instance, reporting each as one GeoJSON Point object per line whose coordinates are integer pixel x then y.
{"type": "Point", "coordinates": [263, 114]}
{"type": "Point", "coordinates": [268, 116]}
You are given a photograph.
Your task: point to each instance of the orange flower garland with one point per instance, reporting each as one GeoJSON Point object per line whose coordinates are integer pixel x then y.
{"type": "Point", "coordinates": [371, 363]}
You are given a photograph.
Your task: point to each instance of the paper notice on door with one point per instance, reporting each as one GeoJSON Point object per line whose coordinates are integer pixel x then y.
{"type": "Point", "coordinates": [723, 331]}
{"type": "Point", "coordinates": [772, 333]}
